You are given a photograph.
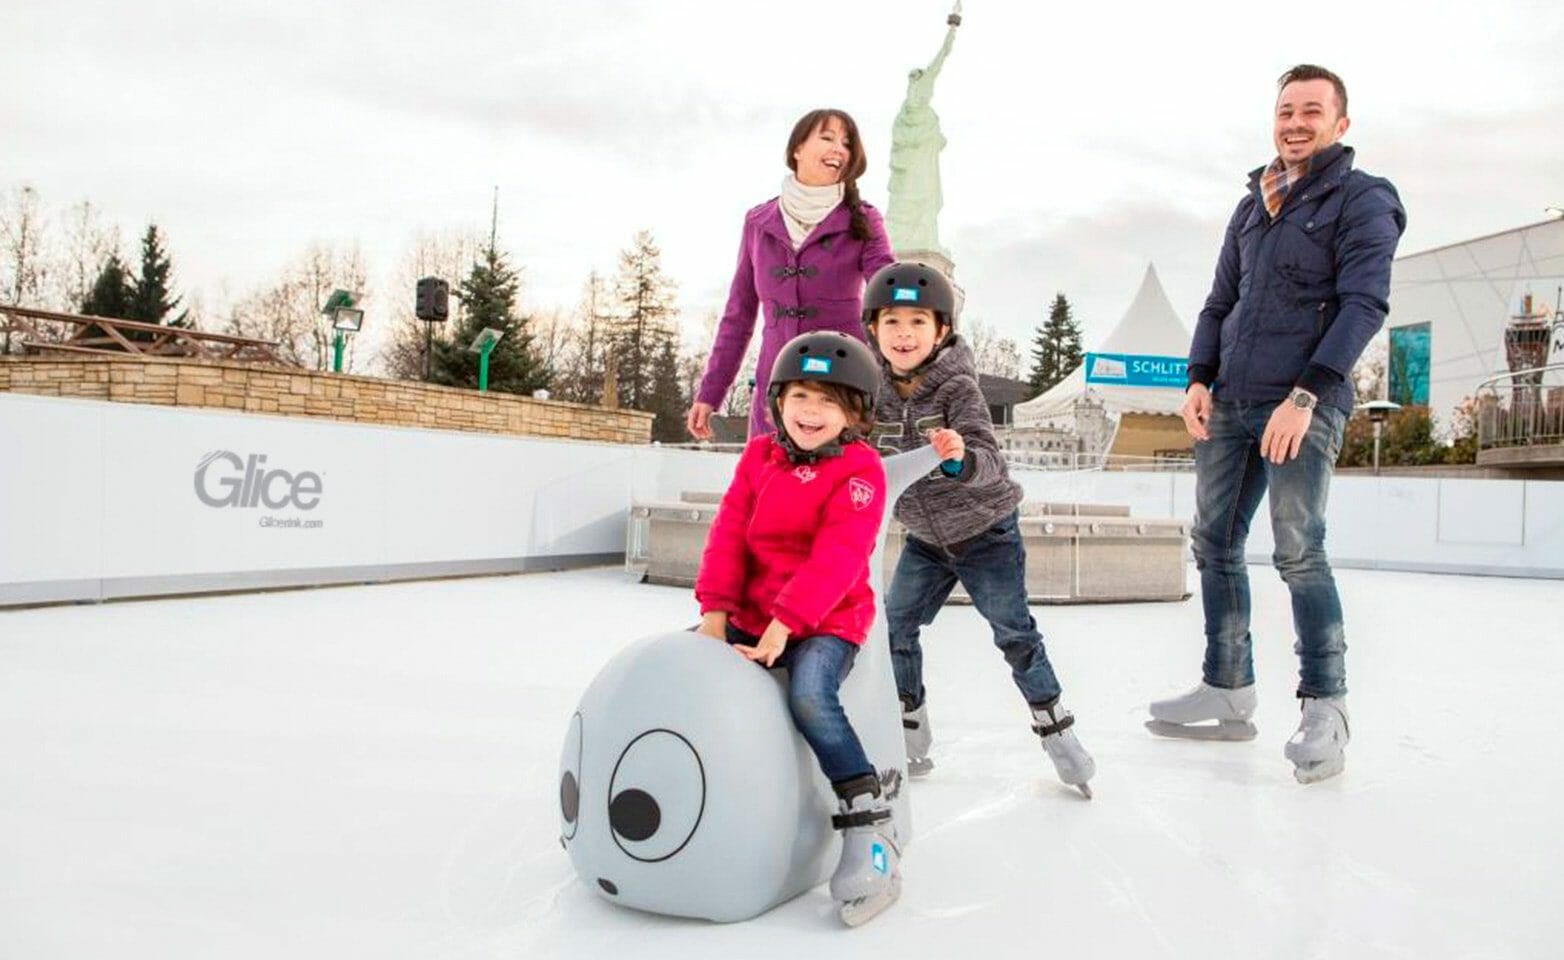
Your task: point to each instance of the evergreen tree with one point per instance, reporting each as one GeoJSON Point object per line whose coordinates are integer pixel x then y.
{"type": "Point", "coordinates": [488, 296]}
{"type": "Point", "coordinates": [151, 294]}
{"type": "Point", "coordinates": [668, 399]}
{"type": "Point", "coordinates": [1056, 349]}
{"type": "Point", "coordinates": [111, 292]}
{"type": "Point", "coordinates": [645, 319]}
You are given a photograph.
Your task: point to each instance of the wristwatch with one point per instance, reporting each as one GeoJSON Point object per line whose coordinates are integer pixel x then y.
{"type": "Point", "coordinates": [1303, 399]}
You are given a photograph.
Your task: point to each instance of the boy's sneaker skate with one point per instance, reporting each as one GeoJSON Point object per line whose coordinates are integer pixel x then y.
{"type": "Point", "coordinates": [1317, 749]}
{"type": "Point", "coordinates": [915, 727]}
{"type": "Point", "coordinates": [1074, 765]}
{"type": "Point", "coordinates": [868, 878]}
{"type": "Point", "coordinates": [1186, 715]}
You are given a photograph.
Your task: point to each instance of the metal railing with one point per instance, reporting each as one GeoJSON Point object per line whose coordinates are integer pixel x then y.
{"type": "Point", "coordinates": [1517, 409]}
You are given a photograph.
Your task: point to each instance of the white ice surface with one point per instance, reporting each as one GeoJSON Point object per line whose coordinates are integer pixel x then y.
{"type": "Point", "coordinates": [372, 772]}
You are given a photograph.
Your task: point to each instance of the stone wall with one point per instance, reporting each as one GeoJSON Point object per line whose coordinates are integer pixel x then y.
{"type": "Point", "coordinates": [308, 393]}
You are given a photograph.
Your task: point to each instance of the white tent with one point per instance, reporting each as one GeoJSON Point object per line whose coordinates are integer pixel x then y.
{"type": "Point", "coordinates": [1149, 326]}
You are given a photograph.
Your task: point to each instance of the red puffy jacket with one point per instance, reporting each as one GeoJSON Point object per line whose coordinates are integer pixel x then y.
{"type": "Point", "coordinates": [793, 542]}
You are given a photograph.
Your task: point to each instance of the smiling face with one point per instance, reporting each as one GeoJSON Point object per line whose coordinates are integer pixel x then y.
{"type": "Point", "coordinates": [811, 416]}
{"type": "Point", "coordinates": [826, 154]}
{"type": "Point", "coordinates": [1308, 119]}
{"type": "Point", "coordinates": [907, 336]}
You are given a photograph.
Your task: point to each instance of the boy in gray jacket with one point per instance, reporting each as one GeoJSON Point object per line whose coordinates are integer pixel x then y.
{"type": "Point", "coordinates": [961, 520]}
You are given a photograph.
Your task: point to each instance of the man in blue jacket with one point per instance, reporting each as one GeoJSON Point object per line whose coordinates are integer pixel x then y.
{"type": "Point", "coordinates": [1301, 287]}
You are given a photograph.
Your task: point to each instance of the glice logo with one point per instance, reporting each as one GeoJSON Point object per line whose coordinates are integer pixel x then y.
{"type": "Point", "coordinates": [246, 483]}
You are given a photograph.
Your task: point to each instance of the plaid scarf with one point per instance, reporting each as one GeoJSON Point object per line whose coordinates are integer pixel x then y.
{"type": "Point", "coordinates": [1277, 181]}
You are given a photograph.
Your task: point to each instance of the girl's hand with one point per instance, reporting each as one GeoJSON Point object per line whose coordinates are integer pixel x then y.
{"type": "Point", "coordinates": [714, 624]}
{"type": "Point", "coordinates": [770, 645]}
{"type": "Point", "coordinates": [948, 444]}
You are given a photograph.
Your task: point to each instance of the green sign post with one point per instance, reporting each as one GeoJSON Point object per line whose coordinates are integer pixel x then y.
{"type": "Point", "coordinates": [483, 346]}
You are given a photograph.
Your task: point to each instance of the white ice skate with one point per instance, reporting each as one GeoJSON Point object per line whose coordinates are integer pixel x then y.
{"type": "Point", "coordinates": [1186, 715]}
{"type": "Point", "coordinates": [1074, 765]}
{"type": "Point", "coordinates": [868, 878]}
{"type": "Point", "coordinates": [1317, 749]}
{"type": "Point", "coordinates": [915, 726]}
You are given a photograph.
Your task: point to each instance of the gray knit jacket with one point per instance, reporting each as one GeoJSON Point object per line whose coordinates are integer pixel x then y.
{"type": "Point", "coordinates": [942, 510]}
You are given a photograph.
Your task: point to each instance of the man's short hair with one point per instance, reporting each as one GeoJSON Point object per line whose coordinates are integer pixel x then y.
{"type": "Point", "coordinates": [1309, 71]}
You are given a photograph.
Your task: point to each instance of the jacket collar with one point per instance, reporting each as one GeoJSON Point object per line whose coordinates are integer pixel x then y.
{"type": "Point", "coordinates": [837, 221]}
{"type": "Point", "coordinates": [1329, 169]}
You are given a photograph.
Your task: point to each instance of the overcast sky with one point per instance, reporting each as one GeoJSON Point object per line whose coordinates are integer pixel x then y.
{"type": "Point", "coordinates": [1085, 139]}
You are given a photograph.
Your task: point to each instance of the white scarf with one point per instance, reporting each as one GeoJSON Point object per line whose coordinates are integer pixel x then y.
{"type": "Point", "coordinates": [803, 207]}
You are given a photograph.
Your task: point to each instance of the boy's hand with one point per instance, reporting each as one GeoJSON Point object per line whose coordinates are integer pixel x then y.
{"type": "Point", "coordinates": [770, 645]}
{"type": "Point", "coordinates": [714, 624]}
{"type": "Point", "coordinates": [948, 444]}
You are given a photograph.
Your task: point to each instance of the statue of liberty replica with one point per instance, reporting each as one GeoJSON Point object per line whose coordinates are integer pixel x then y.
{"type": "Point", "coordinates": [916, 141]}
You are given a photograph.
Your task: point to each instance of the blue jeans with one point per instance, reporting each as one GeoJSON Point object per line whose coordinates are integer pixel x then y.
{"type": "Point", "coordinates": [816, 667]}
{"type": "Point", "coordinates": [1231, 477]}
{"type": "Point", "coordinates": [992, 566]}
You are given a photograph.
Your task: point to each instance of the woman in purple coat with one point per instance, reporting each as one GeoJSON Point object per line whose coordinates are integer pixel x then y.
{"type": "Point", "coordinates": [802, 264]}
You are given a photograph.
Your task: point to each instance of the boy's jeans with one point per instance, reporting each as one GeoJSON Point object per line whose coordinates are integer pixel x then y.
{"type": "Point", "coordinates": [1230, 479]}
{"type": "Point", "coordinates": [992, 566]}
{"type": "Point", "coordinates": [816, 667]}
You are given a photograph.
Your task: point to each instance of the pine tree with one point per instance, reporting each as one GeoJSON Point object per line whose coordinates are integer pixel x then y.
{"type": "Point", "coordinates": [151, 294]}
{"type": "Point", "coordinates": [646, 319]}
{"type": "Point", "coordinates": [1056, 349]}
{"type": "Point", "coordinates": [667, 399]}
{"type": "Point", "coordinates": [111, 292]}
{"type": "Point", "coordinates": [488, 296]}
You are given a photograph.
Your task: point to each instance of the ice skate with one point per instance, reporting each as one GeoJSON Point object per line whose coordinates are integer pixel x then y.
{"type": "Point", "coordinates": [1074, 765]}
{"type": "Point", "coordinates": [1186, 716]}
{"type": "Point", "coordinates": [1317, 749]}
{"type": "Point", "coordinates": [915, 726]}
{"type": "Point", "coordinates": [868, 878]}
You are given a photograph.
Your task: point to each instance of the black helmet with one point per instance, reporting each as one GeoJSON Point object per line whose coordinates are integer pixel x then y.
{"type": "Point", "coordinates": [908, 284]}
{"type": "Point", "coordinates": [825, 356]}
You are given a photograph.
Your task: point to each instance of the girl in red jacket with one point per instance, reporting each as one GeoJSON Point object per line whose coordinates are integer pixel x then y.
{"type": "Point", "coordinates": [785, 579]}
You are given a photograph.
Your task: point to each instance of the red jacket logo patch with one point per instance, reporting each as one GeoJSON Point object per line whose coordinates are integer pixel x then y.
{"type": "Point", "coordinates": [861, 491]}
{"type": "Point", "coordinates": [804, 473]}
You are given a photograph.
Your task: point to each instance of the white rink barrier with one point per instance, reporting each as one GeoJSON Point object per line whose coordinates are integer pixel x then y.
{"type": "Point", "coordinates": [99, 500]}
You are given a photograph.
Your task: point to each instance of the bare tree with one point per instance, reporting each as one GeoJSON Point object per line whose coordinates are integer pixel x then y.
{"type": "Point", "coordinates": [23, 264]}
{"type": "Point", "coordinates": [992, 354]}
{"type": "Point", "coordinates": [449, 256]}
{"type": "Point", "coordinates": [88, 243]}
{"type": "Point", "coordinates": [288, 311]}
{"type": "Point", "coordinates": [583, 361]}
{"type": "Point", "coordinates": [1369, 377]}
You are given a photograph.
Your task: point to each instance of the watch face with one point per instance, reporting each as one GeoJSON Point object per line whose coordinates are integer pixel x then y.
{"type": "Point", "coordinates": [1302, 401]}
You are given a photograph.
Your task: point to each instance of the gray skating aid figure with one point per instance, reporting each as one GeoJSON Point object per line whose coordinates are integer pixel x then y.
{"type": "Point", "coordinates": [686, 790]}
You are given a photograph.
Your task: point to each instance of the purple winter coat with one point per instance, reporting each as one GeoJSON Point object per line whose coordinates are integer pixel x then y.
{"type": "Point", "coordinates": [819, 287]}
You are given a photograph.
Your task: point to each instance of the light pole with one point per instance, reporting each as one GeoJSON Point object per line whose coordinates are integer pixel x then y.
{"type": "Point", "coordinates": [346, 317]}
{"type": "Point", "coordinates": [483, 346]}
{"type": "Point", "coordinates": [1379, 411]}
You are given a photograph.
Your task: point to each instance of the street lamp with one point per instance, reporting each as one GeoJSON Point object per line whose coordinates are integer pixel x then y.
{"type": "Point", "coordinates": [1379, 411]}
{"type": "Point", "coordinates": [346, 317]}
{"type": "Point", "coordinates": [483, 345]}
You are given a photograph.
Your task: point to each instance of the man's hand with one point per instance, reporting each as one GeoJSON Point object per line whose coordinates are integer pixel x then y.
{"type": "Point", "coordinates": [948, 444]}
{"type": "Point", "coordinates": [770, 645]}
{"type": "Point", "coordinates": [1284, 432]}
{"type": "Point", "coordinates": [698, 421]}
{"type": "Point", "coordinates": [1196, 410]}
{"type": "Point", "coordinates": [714, 624]}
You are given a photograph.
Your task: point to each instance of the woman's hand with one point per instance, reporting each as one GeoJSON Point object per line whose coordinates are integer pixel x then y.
{"type": "Point", "coordinates": [714, 624]}
{"type": "Point", "coordinates": [698, 421]}
{"type": "Point", "coordinates": [770, 645]}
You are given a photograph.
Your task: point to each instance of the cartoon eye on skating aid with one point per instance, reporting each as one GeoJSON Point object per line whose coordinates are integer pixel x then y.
{"type": "Point", "coordinates": [657, 764]}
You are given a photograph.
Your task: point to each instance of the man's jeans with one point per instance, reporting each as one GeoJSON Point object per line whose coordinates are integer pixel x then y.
{"type": "Point", "coordinates": [816, 667]}
{"type": "Point", "coordinates": [992, 566]}
{"type": "Point", "coordinates": [1230, 479]}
